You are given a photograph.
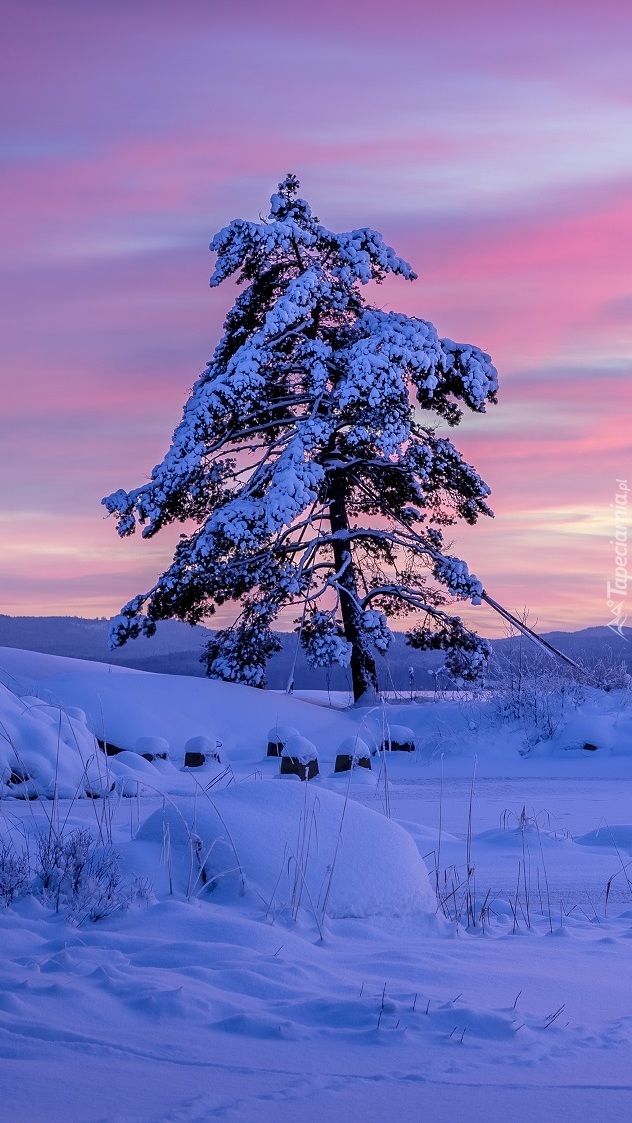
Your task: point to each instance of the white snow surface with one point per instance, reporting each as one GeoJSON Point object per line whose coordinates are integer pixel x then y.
{"type": "Point", "coordinates": [354, 747]}
{"type": "Point", "coordinates": [122, 708]}
{"type": "Point", "coordinates": [300, 749]}
{"type": "Point", "coordinates": [401, 734]}
{"type": "Point", "coordinates": [273, 950]}
{"type": "Point", "coordinates": [285, 838]}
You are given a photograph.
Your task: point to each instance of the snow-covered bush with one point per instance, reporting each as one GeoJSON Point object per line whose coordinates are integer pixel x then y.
{"type": "Point", "coordinates": [152, 747]}
{"type": "Point", "coordinates": [71, 872]}
{"type": "Point", "coordinates": [79, 876]}
{"type": "Point", "coordinates": [533, 690]}
{"type": "Point", "coordinates": [607, 673]}
{"type": "Point", "coordinates": [14, 872]}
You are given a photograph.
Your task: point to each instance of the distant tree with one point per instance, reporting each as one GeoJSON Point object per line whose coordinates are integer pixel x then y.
{"type": "Point", "coordinates": [312, 478]}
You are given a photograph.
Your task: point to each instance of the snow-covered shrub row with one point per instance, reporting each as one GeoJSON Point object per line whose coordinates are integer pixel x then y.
{"type": "Point", "coordinates": [534, 691]}
{"type": "Point", "coordinates": [583, 730]}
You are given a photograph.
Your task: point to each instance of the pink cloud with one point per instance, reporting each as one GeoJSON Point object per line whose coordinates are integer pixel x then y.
{"type": "Point", "coordinates": [530, 287]}
{"type": "Point", "coordinates": [483, 139]}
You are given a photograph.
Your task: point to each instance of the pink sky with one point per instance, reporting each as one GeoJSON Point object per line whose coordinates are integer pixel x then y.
{"type": "Point", "coordinates": [489, 142]}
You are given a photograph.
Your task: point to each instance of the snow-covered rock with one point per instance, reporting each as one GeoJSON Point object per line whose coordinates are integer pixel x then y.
{"type": "Point", "coordinates": [353, 861]}
{"type": "Point", "coordinates": [152, 747]}
{"type": "Point", "coordinates": [399, 736]}
{"type": "Point", "coordinates": [300, 749]}
{"type": "Point", "coordinates": [355, 748]}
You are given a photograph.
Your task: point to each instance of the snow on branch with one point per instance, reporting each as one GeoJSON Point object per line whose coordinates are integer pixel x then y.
{"type": "Point", "coordinates": [301, 461]}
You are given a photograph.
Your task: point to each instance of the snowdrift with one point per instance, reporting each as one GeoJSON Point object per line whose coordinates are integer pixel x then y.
{"type": "Point", "coordinates": [44, 749]}
{"type": "Point", "coordinates": [123, 707]}
{"type": "Point", "coordinates": [54, 708]}
{"type": "Point", "coordinates": [293, 843]}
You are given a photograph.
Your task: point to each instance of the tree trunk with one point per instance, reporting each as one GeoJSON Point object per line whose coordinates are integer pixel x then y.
{"type": "Point", "coordinates": [363, 669]}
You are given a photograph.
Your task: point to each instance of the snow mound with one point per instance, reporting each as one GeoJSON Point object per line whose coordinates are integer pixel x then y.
{"type": "Point", "coordinates": [351, 780]}
{"type": "Point", "coordinates": [519, 837]}
{"type": "Point", "coordinates": [337, 856]}
{"type": "Point", "coordinates": [152, 746]}
{"type": "Point", "coordinates": [122, 708]}
{"type": "Point", "coordinates": [281, 734]}
{"type": "Point", "coordinates": [354, 747]}
{"type": "Point", "coordinates": [609, 733]}
{"type": "Point", "coordinates": [616, 837]}
{"type": "Point", "coordinates": [44, 750]}
{"type": "Point", "coordinates": [299, 748]}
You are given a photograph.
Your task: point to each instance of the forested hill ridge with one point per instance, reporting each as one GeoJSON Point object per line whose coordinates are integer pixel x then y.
{"type": "Point", "coordinates": [176, 649]}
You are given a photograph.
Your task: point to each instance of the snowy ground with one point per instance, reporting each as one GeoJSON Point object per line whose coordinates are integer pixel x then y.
{"type": "Point", "coordinates": [307, 974]}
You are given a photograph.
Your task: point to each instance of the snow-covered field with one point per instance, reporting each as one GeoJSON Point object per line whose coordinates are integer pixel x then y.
{"type": "Point", "coordinates": [270, 950]}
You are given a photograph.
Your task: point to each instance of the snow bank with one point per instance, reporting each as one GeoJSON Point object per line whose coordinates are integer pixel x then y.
{"type": "Point", "coordinates": [608, 733]}
{"type": "Point", "coordinates": [44, 750]}
{"type": "Point", "coordinates": [615, 837]}
{"type": "Point", "coordinates": [291, 842]}
{"type": "Point", "coordinates": [121, 708]}
{"type": "Point", "coordinates": [19, 667]}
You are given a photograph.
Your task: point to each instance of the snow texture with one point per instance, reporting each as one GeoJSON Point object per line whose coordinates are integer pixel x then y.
{"type": "Point", "coordinates": [351, 861]}
{"type": "Point", "coordinates": [274, 951]}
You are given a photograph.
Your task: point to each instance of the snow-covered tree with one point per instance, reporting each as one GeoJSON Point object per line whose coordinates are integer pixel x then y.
{"type": "Point", "coordinates": [309, 460]}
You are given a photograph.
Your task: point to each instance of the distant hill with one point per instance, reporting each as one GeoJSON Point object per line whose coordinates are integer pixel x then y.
{"type": "Point", "coordinates": [81, 638]}
{"type": "Point", "coordinates": [176, 648]}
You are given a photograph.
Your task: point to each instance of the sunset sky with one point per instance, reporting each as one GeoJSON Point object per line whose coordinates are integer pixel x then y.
{"type": "Point", "coordinates": [490, 142]}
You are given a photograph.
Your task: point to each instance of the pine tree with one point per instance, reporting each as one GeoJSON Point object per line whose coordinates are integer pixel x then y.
{"type": "Point", "coordinates": [311, 478]}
